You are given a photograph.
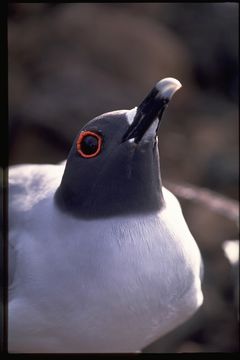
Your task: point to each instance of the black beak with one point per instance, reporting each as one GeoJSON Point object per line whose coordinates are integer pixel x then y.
{"type": "Point", "coordinates": [151, 108]}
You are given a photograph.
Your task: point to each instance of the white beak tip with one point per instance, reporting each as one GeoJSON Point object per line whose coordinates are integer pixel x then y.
{"type": "Point", "coordinates": [167, 87]}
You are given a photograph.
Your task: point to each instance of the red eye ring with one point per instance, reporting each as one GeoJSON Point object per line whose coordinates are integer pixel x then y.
{"type": "Point", "coordinates": [82, 137]}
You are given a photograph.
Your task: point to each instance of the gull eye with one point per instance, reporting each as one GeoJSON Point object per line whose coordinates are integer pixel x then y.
{"type": "Point", "coordinates": [89, 144]}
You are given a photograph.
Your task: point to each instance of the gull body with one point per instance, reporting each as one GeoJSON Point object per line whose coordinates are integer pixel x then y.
{"type": "Point", "coordinates": [96, 263]}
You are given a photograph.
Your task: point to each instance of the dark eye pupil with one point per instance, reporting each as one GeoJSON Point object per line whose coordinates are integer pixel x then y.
{"type": "Point", "coordinates": [89, 145]}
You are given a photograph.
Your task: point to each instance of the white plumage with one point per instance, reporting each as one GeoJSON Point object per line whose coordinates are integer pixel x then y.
{"type": "Point", "coordinates": [110, 285]}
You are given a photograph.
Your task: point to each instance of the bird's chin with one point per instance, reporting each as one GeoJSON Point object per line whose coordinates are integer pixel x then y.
{"type": "Point", "coordinates": [151, 133]}
{"type": "Point", "coordinates": [148, 145]}
{"type": "Point", "coordinates": [150, 136]}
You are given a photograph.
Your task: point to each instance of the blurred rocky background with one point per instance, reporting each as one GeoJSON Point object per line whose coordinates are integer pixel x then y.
{"type": "Point", "coordinates": [71, 62]}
